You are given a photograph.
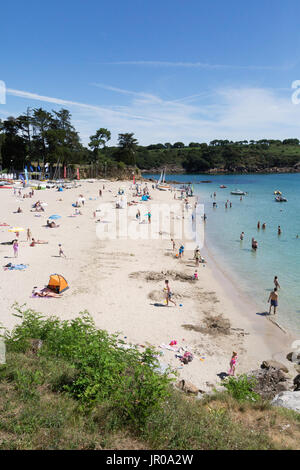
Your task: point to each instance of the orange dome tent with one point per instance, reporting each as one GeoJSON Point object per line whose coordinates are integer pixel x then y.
{"type": "Point", "coordinates": [57, 283]}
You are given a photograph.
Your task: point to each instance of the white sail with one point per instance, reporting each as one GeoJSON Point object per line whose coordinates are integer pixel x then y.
{"type": "Point", "coordinates": [160, 178]}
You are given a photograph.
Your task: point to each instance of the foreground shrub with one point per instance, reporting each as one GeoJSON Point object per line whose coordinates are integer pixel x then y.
{"type": "Point", "coordinates": [241, 388]}
{"type": "Point", "coordinates": [105, 368]}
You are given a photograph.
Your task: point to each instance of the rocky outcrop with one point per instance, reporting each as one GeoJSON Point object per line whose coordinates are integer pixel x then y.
{"type": "Point", "coordinates": [294, 357]}
{"type": "Point", "coordinates": [290, 400]}
{"type": "Point", "coordinates": [269, 382]}
{"type": "Point", "coordinates": [296, 383]}
{"type": "Point", "coordinates": [187, 387]}
{"type": "Point", "coordinates": [275, 365]}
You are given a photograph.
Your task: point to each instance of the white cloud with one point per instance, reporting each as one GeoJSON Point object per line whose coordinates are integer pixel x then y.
{"type": "Point", "coordinates": [201, 65]}
{"type": "Point", "coordinates": [225, 113]}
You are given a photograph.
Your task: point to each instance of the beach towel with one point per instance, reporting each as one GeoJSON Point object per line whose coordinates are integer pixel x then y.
{"type": "Point", "coordinates": [17, 267]}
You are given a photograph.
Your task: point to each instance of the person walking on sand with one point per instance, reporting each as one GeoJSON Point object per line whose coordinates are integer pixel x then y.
{"type": "Point", "coordinates": [149, 217]}
{"type": "Point", "coordinates": [276, 283]}
{"type": "Point", "coordinates": [61, 253]}
{"type": "Point", "coordinates": [29, 235]}
{"type": "Point", "coordinates": [232, 364]}
{"type": "Point", "coordinates": [273, 299]}
{"type": "Point", "coordinates": [16, 248]}
{"type": "Point", "coordinates": [173, 244]}
{"type": "Point", "coordinates": [168, 294]}
{"type": "Point", "coordinates": [197, 256]}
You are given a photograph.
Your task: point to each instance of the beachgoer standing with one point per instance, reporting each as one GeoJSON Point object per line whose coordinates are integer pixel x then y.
{"type": "Point", "coordinates": [279, 230]}
{"type": "Point", "coordinates": [254, 244]}
{"type": "Point", "coordinates": [232, 363]}
{"type": "Point", "coordinates": [258, 225]}
{"type": "Point", "coordinates": [197, 257]}
{"type": "Point", "coordinates": [273, 299]}
{"type": "Point", "coordinates": [168, 294]}
{"type": "Point", "coordinates": [16, 248]}
{"type": "Point", "coordinates": [149, 217]}
{"type": "Point", "coordinates": [263, 226]}
{"type": "Point", "coordinates": [61, 253]}
{"type": "Point", "coordinates": [29, 235]}
{"type": "Point", "coordinates": [173, 244]}
{"type": "Point", "coordinates": [276, 283]}
{"type": "Point", "coordinates": [242, 236]}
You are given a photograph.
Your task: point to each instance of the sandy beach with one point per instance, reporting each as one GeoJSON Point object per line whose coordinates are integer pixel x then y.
{"type": "Point", "coordinates": [120, 283]}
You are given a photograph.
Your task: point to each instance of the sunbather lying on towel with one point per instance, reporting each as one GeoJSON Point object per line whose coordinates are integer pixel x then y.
{"type": "Point", "coordinates": [38, 242]}
{"type": "Point", "coordinates": [51, 224]}
{"type": "Point", "coordinates": [46, 292]}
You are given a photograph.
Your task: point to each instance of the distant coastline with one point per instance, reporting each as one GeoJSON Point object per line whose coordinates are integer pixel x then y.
{"type": "Point", "coordinates": [221, 171]}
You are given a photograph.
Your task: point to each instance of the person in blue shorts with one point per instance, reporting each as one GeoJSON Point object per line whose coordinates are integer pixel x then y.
{"type": "Point", "coordinates": [273, 299]}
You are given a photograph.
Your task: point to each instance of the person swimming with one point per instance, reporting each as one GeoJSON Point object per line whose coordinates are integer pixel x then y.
{"type": "Point", "coordinates": [254, 244]}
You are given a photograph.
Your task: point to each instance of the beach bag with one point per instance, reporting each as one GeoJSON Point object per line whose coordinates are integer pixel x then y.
{"type": "Point", "coordinates": [187, 357]}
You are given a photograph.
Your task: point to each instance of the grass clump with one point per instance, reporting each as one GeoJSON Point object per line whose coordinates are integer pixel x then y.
{"type": "Point", "coordinates": [241, 388]}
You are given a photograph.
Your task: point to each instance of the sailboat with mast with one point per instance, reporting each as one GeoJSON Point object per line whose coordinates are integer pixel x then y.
{"type": "Point", "coordinates": [161, 184]}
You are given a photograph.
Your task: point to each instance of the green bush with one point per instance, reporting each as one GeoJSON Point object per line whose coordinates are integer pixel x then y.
{"type": "Point", "coordinates": [241, 388]}
{"type": "Point", "coordinates": [105, 369]}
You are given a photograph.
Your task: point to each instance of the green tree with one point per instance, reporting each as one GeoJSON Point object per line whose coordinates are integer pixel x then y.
{"type": "Point", "coordinates": [98, 140]}
{"type": "Point", "coordinates": [127, 144]}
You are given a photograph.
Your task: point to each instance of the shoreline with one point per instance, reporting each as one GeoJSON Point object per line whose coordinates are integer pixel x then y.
{"type": "Point", "coordinates": [269, 330]}
{"type": "Point", "coordinates": [109, 279]}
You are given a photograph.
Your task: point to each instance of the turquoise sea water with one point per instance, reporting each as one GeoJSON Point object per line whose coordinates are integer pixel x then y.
{"type": "Point", "coordinates": [276, 255]}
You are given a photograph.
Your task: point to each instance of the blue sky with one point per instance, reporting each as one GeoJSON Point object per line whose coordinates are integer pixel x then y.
{"type": "Point", "coordinates": [187, 70]}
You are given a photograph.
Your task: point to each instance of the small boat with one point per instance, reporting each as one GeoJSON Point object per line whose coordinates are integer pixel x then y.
{"type": "Point", "coordinates": [280, 199]}
{"type": "Point", "coordinates": [161, 184]}
{"type": "Point", "coordinates": [223, 186]}
{"type": "Point", "coordinates": [238, 192]}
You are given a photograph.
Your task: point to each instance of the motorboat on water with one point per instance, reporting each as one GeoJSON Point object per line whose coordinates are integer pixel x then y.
{"type": "Point", "coordinates": [223, 186]}
{"type": "Point", "coordinates": [280, 199]}
{"type": "Point", "coordinates": [238, 192]}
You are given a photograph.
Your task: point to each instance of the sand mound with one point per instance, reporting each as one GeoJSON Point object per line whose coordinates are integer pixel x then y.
{"type": "Point", "coordinates": [156, 295]}
{"type": "Point", "coordinates": [160, 276]}
{"type": "Point", "coordinates": [213, 325]}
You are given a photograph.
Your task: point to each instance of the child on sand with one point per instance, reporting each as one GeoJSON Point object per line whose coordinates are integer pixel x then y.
{"type": "Point", "coordinates": [195, 275]}
{"type": "Point", "coordinates": [233, 364]}
{"type": "Point", "coordinates": [168, 294]}
{"type": "Point", "coordinates": [61, 253]}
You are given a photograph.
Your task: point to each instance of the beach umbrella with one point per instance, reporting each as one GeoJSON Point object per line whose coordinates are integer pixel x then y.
{"type": "Point", "coordinates": [55, 216]}
{"type": "Point", "coordinates": [16, 229]}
